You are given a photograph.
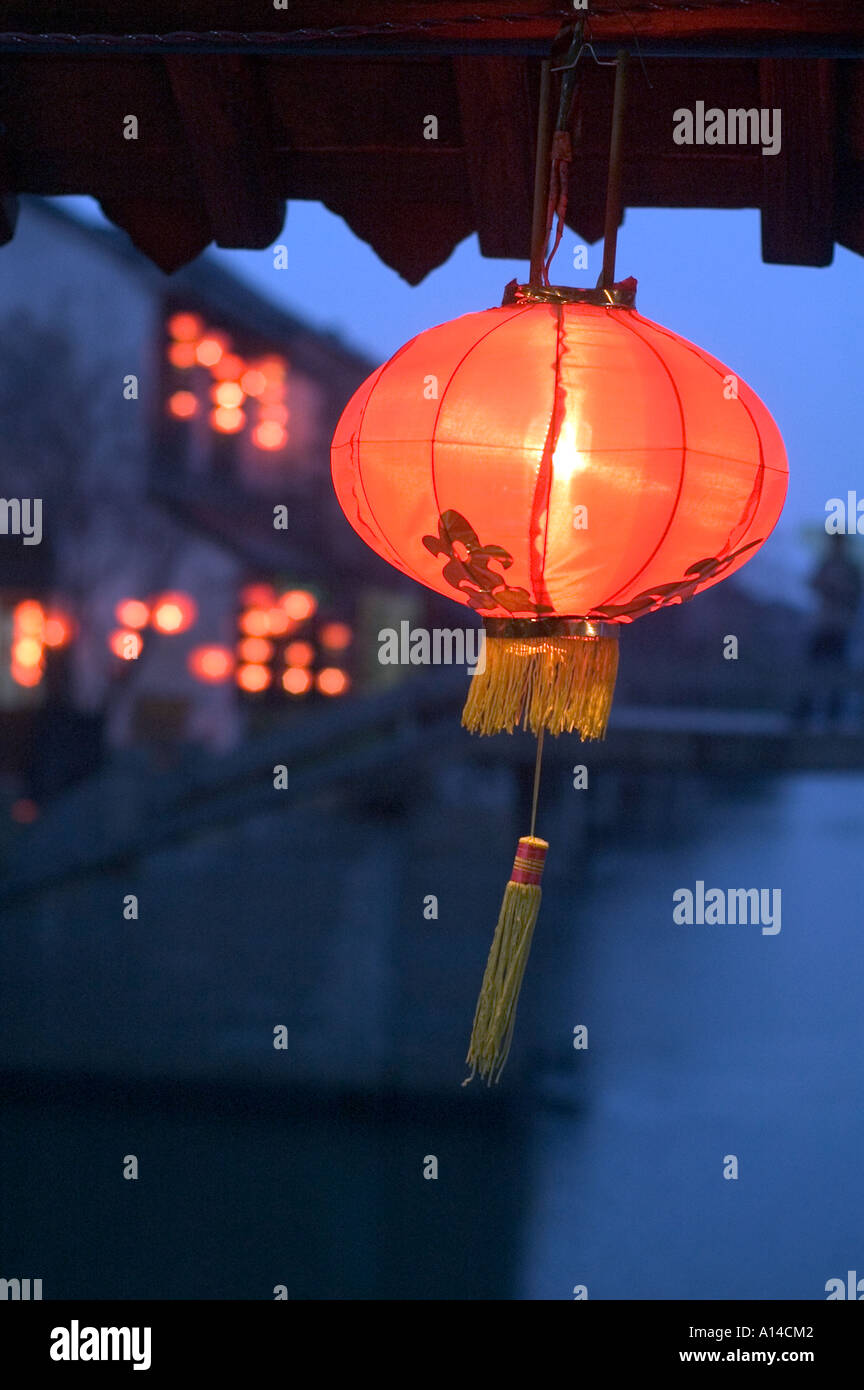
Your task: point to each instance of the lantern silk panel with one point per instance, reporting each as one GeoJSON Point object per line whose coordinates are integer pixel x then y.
{"type": "Point", "coordinates": [559, 459]}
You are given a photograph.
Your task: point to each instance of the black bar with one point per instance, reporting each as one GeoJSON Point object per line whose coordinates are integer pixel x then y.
{"type": "Point", "coordinates": [224, 1337]}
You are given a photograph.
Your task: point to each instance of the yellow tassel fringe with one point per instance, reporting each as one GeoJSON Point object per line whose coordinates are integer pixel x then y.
{"type": "Point", "coordinates": [554, 683]}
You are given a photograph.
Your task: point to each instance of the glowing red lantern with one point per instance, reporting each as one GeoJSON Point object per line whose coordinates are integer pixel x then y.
{"type": "Point", "coordinates": [184, 327]}
{"type": "Point", "coordinates": [131, 612]}
{"type": "Point", "coordinates": [213, 665]}
{"type": "Point", "coordinates": [560, 465]}
{"type": "Point", "coordinates": [572, 460]}
{"type": "Point", "coordinates": [126, 644]}
{"type": "Point", "coordinates": [173, 613]}
{"type": "Point", "coordinates": [59, 629]}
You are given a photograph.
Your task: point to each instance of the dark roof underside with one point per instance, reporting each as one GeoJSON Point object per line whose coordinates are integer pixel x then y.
{"type": "Point", "coordinates": [242, 108]}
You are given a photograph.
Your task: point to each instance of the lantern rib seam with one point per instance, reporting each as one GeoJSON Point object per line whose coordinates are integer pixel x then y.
{"type": "Point", "coordinates": [400, 563]}
{"type": "Point", "coordinates": [462, 360]}
{"type": "Point", "coordinates": [758, 486]}
{"type": "Point", "coordinates": [633, 578]}
{"type": "Point", "coordinates": [705, 359]}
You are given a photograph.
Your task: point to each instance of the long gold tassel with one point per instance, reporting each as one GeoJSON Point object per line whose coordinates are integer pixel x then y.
{"type": "Point", "coordinates": [555, 674]}
{"type": "Point", "coordinates": [495, 1016]}
{"type": "Point", "coordinates": [560, 683]}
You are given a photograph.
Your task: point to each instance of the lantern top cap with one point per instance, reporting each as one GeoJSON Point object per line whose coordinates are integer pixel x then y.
{"type": "Point", "coordinates": [620, 296]}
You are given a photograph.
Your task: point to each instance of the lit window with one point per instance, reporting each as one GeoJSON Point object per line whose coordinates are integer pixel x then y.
{"type": "Point", "coordinates": [26, 675]}
{"type": "Point", "coordinates": [174, 613]}
{"type": "Point", "coordinates": [183, 404]}
{"type": "Point", "coordinates": [299, 653]}
{"type": "Point", "coordinates": [298, 604]}
{"type": "Point", "coordinates": [58, 630]}
{"type": "Point", "coordinates": [280, 621]}
{"type": "Point", "coordinates": [332, 681]}
{"type": "Point", "coordinates": [131, 612]}
{"type": "Point", "coordinates": [182, 355]}
{"type": "Point", "coordinates": [255, 649]}
{"type": "Point", "coordinates": [27, 651]}
{"type": "Point", "coordinates": [229, 394]}
{"type": "Point", "coordinates": [211, 664]}
{"type": "Point", "coordinates": [253, 677]}
{"type": "Point", "coordinates": [28, 618]}
{"type": "Point", "coordinates": [126, 644]}
{"type": "Point", "coordinates": [296, 680]}
{"type": "Point", "coordinates": [336, 636]}
{"type": "Point", "coordinates": [269, 435]}
{"type": "Point", "coordinates": [253, 382]}
{"type": "Point", "coordinates": [209, 351]}
{"type": "Point", "coordinates": [228, 368]}
{"type": "Point", "coordinates": [255, 622]}
{"type": "Point", "coordinates": [258, 595]}
{"type": "Point", "coordinates": [184, 327]}
{"type": "Point", "coordinates": [227, 420]}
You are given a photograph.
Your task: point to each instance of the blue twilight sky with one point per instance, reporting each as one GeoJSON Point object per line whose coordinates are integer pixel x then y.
{"type": "Point", "coordinates": [791, 332]}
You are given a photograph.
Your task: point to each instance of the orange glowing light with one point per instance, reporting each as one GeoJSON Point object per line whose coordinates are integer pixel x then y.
{"type": "Point", "coordinates": [332, 681]}
{"type": "Point", "coordinates": [296, 680]}
{"type": "Point", "coordinates": [27, 651]}
{"type": "Point", "coordinates": [182, 355]}
{"type": "Point", "coordinates": [28, 618]}
{"type": "Point", "coordinates": [277, 414]}
{"type": "Point", "coordinates": [228, 393]}
{"type": "Point", "coordinates": [211, 664]}
{"type": "Point", "coordinates": [58, 630]}
{"type": "Point", "coordinates": [131, 612]}
{"type": "Point", "coordinates": [258, 595]}
{"type": "Point", "coordinates": [184, 327]}
{"type": "Point", "coordinates": [279, 621]}
{"type": "Point", "coordinates": [255, 649]}
{"type": "Point", "coordinates": [269, 435]}
{"type": "Point", "coordinates": [226, 420]}
{"type": "Point", "coordinates": [230, 367]}
{"type": "Point", "coordinates": [336, 636]}
{"type": "Point", "coordinates": [24, 811]}
{"type": "Point", "coordinates": [126, 644]}
{"type": "Point", "coordinates": [209, 351]}
{"type": "Point", "coordinates": [183, 404]}
{"type": "Point", "coordinates": [174, 613]}
{"type": "Point", "coordinates": [299, 653]}
{"type": "Point", "coordinates": [253, 677]}
{"type": "Point", "coordinates": [253, 382]}
{"type": "Point", "coordinates": [298, 604]}
{"type": "Point", "coordinates": [26, 675]}
{"type": "Point", "coordinates": [274, 368]}
{"type": "Point", "coordinates": [274, 392]}
{"type": "Point", "coordinates": [255, 622]}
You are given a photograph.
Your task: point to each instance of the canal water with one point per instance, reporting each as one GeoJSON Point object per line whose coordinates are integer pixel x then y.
{"type": "Point", "coordinates": [712, 1050]}
{"type": "Point", "coordinates": [712, 1043]}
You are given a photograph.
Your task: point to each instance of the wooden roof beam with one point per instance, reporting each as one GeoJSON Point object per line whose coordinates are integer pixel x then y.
{"type": "Point", "coordinates": [798, 183]}
{"type": "Point", "coordinates": [171, 233]}
{"type": "Point", "coordinates": [231, 143]}
{"type": "Point", "coordinates": [495, 109]}
{"type": "Point", "coordinates": [314, 27]}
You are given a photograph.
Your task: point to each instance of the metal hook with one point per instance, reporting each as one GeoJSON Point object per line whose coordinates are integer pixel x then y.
{"type": "Point", "coordinates": [601, 62]}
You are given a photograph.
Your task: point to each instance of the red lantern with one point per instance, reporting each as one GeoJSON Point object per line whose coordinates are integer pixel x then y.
{"type": "Point", "coordinates": [562, 466]}
{"type": "Point", "coordinates": [559, 459]}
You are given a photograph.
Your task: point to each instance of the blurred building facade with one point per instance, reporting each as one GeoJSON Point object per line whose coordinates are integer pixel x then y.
{"type": "Point", "coordinates": [194, 576]}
